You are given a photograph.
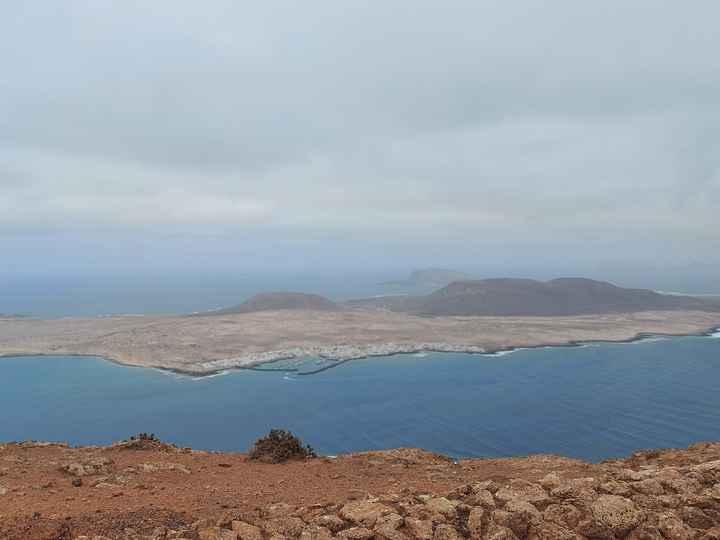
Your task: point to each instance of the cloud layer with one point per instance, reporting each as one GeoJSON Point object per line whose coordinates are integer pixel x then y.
{"type": "Point", "coordinates": [563, 123]}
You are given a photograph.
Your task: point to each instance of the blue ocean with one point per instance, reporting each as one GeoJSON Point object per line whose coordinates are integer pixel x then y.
{"type": "Point", "coordinates": [592, 402]}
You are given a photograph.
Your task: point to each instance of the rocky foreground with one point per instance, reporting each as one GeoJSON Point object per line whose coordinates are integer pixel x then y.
{"type": "Point", "coordinates": [150, 490]}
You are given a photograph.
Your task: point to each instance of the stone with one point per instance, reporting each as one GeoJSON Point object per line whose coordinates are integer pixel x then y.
{"type": "Point", "coordinates": [489, 485]}
{"type": "Point", "coordinates": [501, 533]}
{"type": "Point", "coordinates": [522, 516]}
{"type": "Point", "coordinates": [313, 532]}
{"type": "Point", "coordinates": [578, 489]}
{"type": "Point", "coordinates": [617, 513]}
{"type": "Point", "coordinates": [330, 522]}
{"type": "Point", "coordinates": [96, 466]}
{"type": "Point", "coordinates": [278, 510]}
{"type": "Point", "coordinates": [355, 533]}
{"type": "Point", "coordinates": [246, 531]}
{"type": "Point", "coordinates": [551, 531]}
{"type": "Point", "coordinates": [522, 490]}
{"type": "Point", "coordinates": [386, 528]}
{"type": "Point", "coordinates": [474, 523]}
{"type": "Point", "coordinates": [482, 498]}
{"type": "Point", "coordinates": [590, 528]}
{"type": "Point", "coordinates": [421, 529]}
{"type": "Point", "coordinates": [644, 532]}
{"type": "Point", "coordinates": [550, 481]}
{"type": "Point", "coordinates": [629, 475]}
{"type": "Point", "coordinates": [649, 486]}
{"type": "Point", "coordinates": [614, 487]}
{"type": "Point", "coordinates": [712, 534]}
{"type": "Point", "coordinates": [216, 533]}
{"type": "Point", "coordinates": [285, 526]}
{"type": "Point", "coordinates": [563, 514]}
{"type": "Point", "coordinates": [445, 532]}
{"type": "Point", "coordinates": [364, 513]}
{"type": "Point", "coordinates": [442, 506]}
{"type": "Point", "coordinates": [674, 529]}
{"type": "Point", "coordinates": [696, 518]}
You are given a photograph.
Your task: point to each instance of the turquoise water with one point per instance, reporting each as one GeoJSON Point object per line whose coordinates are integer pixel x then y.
{"type": "Point", "coordinates": [591, 402]}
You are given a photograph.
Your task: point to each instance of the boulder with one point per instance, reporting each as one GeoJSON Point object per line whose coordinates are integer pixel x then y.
{"type": "Point", "coordinates": [617, 513]}
{"type": "Point", "coordinates": [550, 481]}
{"type": "Point", "coordinates": [216, 533]}
{"type": "Point", "coordinates": [615, 487]}
{"type": "Point", "coordinates": [565, 515]}
{"type": "Point", "coordinates": [522, 490]}
{"type": "Point", "coordinates": [489, 485]}
{"type": "Point", "coordinates": [578, 489]}
{"type": "Point", "coordinates": [522, 516]}
{"type": "Point", "coordinates": [386, 528]}
{"type": "Point", "coordinates": [246, 531]}
{"type": "Point", "coordinates": [481, 497]}
{"type": "Point", "coordinates": [285, 526]}
{"type": "Point", "coordinates": [278, 510]}
{"type": "Point", "coordinates": [356, 533]}
{"type": "Point", "coordinates": [696, 518]}
{"type": "Point", "coordinates": [313, 532]}
{"type": "Point", "coordinates": [442, 506]}
{"type": "Point", "coordinates": [364, 513]}
{"type": "Point", "coordinates": [474, 523]}
{"type": "Point", "coordinates": [420, 529]}
{"type": "Point", "coordinates": [96, 466]}
{"type": "Point", "coordinates": [551, 531]}
{"type": "Point", "coordinates": [330, 522]}
{"type": "Point", "coordinates": [649, 486]}
{"type": "Point", "coordinates": [446, 532]}
{"type": "Point", "coordinates": [500, 533]}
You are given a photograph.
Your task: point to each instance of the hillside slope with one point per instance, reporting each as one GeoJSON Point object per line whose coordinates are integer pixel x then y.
{"type": "Point", "coordinates": [53, 492]}
{"type": "Point", "coordinates": [528, 297]}
{"type": "Point", "coordinates": [269, 301]}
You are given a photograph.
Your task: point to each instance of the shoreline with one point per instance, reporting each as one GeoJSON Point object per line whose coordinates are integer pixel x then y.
{"type": "Point", "coordinates": [250, 361]}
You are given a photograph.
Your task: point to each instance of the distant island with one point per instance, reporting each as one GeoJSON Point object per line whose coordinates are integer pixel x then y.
{"type": "Point", "coordinates": [528, 297]}
{"type": "Point", "coordinates": [473, 316]}
{"type": "Point", "coordinates": [429, 277]}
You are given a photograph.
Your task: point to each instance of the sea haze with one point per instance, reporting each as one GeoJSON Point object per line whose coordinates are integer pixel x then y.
{"type": "Point", "coordinates": [591, 402]}
{"type": "Point", "coordinates": [42, 296]}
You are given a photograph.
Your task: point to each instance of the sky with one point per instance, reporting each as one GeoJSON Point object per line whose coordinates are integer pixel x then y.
{"type": "Point", "coordinates": [536, 138]}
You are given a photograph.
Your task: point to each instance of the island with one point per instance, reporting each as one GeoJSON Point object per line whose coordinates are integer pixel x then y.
{"type": "Point", "coordinates": [466, 316]}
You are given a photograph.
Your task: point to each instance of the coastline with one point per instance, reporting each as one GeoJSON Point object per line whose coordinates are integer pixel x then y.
{"type": "Point", "coordinates": [340, 354]}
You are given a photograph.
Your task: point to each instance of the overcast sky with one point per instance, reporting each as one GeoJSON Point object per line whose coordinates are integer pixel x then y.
{"type": "Point", "coordinates": [152, 134]}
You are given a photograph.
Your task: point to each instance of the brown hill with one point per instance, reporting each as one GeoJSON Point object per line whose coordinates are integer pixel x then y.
{"type": "Point", "coordinates": [268, 301]}
{"type": "Point", "coordinates": [527, 297]}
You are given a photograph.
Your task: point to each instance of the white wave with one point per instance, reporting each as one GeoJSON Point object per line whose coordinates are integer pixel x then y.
{"type": "Point", "coordinates": [501, 353]}
{"type": "Point", "coordinates": [420, 354]}
{"type": "Point", "coordinates": [715, 334]}
{"type": "Point", "coordinates": [648, 339]}
{"type": "Point", "coordinates": [288, 378]}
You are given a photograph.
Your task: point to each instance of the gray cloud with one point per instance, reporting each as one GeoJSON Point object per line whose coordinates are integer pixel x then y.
{"type": "Point", "coordinates": [564, 124]}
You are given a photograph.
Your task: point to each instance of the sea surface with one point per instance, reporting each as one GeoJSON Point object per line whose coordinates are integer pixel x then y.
{"type": "Point", "coordinates": [592, 402]}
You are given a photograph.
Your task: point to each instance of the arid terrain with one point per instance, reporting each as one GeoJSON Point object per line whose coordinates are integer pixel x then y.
{"type": "Point", "coordinates": [156, 491]}
{"type": "Point", "coordinates": [207, 344]}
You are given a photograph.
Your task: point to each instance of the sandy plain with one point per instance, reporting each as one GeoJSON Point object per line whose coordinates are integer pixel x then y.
{"type": "Point", "coordinates": [206, 344]}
